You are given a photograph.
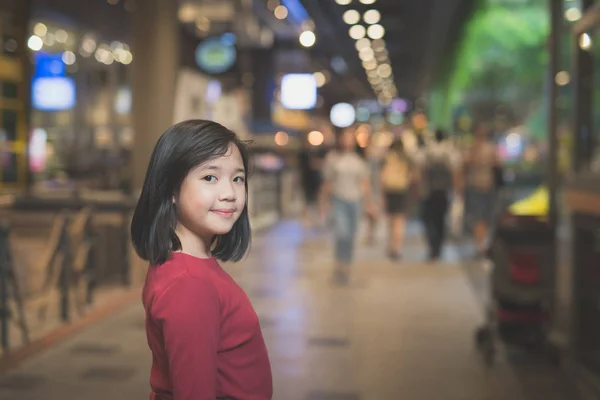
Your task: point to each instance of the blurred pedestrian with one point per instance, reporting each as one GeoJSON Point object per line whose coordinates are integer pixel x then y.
{"type": "Point", "coordinates": [397, 175]}
{"type": "Point", "coordinates": [440, 178]}
{"type": "Point", "coordinates": [346, 189]}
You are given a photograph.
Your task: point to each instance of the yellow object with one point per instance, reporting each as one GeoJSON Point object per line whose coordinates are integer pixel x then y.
{"type": "Point", "coordinates": [394, 175]}
{"type": "Point", "coordinates": [536, 205]}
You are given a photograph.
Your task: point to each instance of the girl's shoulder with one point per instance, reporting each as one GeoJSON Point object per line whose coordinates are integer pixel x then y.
{"type": "Point", "coordinates": [182, 276]}
{"type": "Point", "coordinates": [182, 266]}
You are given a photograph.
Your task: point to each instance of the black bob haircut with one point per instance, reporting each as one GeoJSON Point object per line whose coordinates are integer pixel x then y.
{"type": "Point", "coordinates": [181, 148]}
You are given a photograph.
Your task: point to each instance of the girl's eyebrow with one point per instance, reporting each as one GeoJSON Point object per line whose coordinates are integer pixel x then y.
{"type": "Point", "coordinates": [217, 168]}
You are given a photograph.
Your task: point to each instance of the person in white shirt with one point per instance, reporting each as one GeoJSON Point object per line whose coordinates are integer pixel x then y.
{"type": "Point", "coordinates": [346, 188]}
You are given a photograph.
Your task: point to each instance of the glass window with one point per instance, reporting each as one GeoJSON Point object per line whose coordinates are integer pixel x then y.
{"type": "Point", "coordinates": [9, 46]}
{"type": "Point", "coordinates": [10, 90]}
{"type": "Point", "coordinates": [10, 167]}
{"type": "Point", "coordinates": [9, 125]}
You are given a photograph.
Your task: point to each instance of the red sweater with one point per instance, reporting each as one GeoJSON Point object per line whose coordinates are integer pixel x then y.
{"type": "Point", "coordinates": [204, 335]}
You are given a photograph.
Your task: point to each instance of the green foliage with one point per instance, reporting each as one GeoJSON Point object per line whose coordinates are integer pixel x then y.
{"type": "Point", "coordinates": [501, 59]}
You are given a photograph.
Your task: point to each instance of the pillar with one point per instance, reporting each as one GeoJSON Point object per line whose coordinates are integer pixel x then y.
{"type": "Point", "coordinates": [155, 48]}
{"type": "Point", "coordinates": [156, 60]}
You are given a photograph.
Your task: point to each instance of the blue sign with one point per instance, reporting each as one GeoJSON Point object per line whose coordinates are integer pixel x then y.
{"type": "Point", "coordinates": [49, 65]}
{"type": "Point", "coordinates": [53, 93]}
{"type": "Point", "coordinates": [217, 55]}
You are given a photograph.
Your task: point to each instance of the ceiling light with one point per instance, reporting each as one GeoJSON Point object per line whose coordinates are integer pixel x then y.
{"type": "Point", "coordinates": [585, 41]}
{"type": "Point", "coordinates": [69, 58]}
{"type": "Point", "coordinates": [378, 45]}
{"type": "Point", "coordinates": [351, 17]}
{"type": "Point", "coordinates": [40, 29]}
{"type": "Point", "coordinates": [369, 65]}
{"type": "Point", "coordinates": [381, 57]}
{"type": "Point", "coordinates": [187, 13]}
{"type": "Point", "coordinates": [384, 100]}
{"type": "Point", "coordinates": [372, 17]}
{"type": "Point", "coordinates": [384, 70]}
{"type": "Point", "coordinates": [367, 50]}
{"type": "Point", "coordinates": [320, 78]}
{"type": "Point", "coordinates": [366, 54]}
{"type": "Point", "coordinates": [307, 38]}
{"type": "Point", "coordinates": [282, 138]}
{"type": "Point", "coordinates": [382, 52]}
{"type": "Point", "coordinates": [376, 31]}
{"type": "Point", "coordinates": [367, 1]}
{"type": "Point", "coordinates": [281, 12]}
{"type": "Point", "coordinates": [362, 43]}
{"type": "Point", "coordinates": [357, 32]}
{"type": "Point", "coordinates": [374, 80]}
{"type": "Point", "coordinates": [573, 14]}
{"type": "Point", "coordinates": [562, 78]}
{"type": "Point", "coordinates": [35, 43]}
{"type": "Point", "coordinates": [316, 138]}
{"type": "Point", "coordinates": [343, 2]}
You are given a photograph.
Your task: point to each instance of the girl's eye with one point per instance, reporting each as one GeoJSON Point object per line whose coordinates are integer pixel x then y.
{"type": "Point", "coordinates": [239, 179]}
{"type": "Point", "coordinates": [210, 178]}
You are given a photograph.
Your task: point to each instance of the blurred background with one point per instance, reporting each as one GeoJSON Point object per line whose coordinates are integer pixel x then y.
{"type": "Point", "coordinates": [87, 87]}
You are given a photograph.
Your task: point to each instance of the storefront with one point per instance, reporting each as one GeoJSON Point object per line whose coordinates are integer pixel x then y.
{"type": "Point", "coordinates": [13, 96]}
{"type": "Point", "coordinates": [80, 134]}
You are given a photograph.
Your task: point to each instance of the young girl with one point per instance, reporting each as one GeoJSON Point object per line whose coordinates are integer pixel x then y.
{"type": "Point", "coordinates": [204, 335]}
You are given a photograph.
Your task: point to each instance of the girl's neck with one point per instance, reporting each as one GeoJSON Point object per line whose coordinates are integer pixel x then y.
{"type": "Point", "coordinates": [193, 244]}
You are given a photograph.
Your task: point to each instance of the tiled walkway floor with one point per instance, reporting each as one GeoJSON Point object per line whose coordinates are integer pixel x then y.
{"type": "Point", "coordinates": [399, 331]}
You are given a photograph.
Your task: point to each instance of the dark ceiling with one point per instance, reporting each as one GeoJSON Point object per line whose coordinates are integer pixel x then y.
{"type": "Point", "coordinates": [420, 37]}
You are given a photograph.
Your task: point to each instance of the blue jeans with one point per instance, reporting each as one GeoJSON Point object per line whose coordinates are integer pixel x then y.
{"type": "Point", "coordinates": [345, 223]}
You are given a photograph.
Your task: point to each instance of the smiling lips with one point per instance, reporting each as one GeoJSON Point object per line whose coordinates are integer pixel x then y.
{"type": "Point", "coordinates": [224, 212]}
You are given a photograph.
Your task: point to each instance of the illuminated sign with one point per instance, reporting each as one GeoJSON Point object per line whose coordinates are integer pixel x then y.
{"type": "Point", "coordinates": [49, 65]}
{"type": "Point", "coordinates": [217, 55]}
{"type": "Point", "coordinates": [299, 91]}
{"type": "Point", "coordinates": [53, 93]}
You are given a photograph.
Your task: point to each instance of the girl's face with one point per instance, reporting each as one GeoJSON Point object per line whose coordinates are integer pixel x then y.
{"type": "Point", "coordinates": [213, 195]}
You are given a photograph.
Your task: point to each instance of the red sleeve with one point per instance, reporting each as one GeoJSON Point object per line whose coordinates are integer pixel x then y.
{"type": "Point", "coordinates": [188, 312]}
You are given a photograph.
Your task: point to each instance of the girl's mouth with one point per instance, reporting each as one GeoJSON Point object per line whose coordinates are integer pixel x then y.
{"type": "Point", "coordinates": [226, 213]}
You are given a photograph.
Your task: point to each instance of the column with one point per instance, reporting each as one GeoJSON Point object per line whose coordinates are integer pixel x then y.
{"type": "Point", "coordinates": [155, 48]}
{"type": "Point", "coordinates": [156, 60]}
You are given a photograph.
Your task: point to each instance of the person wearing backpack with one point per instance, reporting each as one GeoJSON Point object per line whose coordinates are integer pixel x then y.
{"type": "Point", "coordinates": [440, 177]}
{"type": "Point", "coordinates": [396, 176]}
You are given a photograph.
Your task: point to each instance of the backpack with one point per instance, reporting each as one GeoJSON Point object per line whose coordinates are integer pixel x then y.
{"type": "Point", "coordinates": [438, 174]}
{"type": "Point", "coordinates": [394, 175]}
